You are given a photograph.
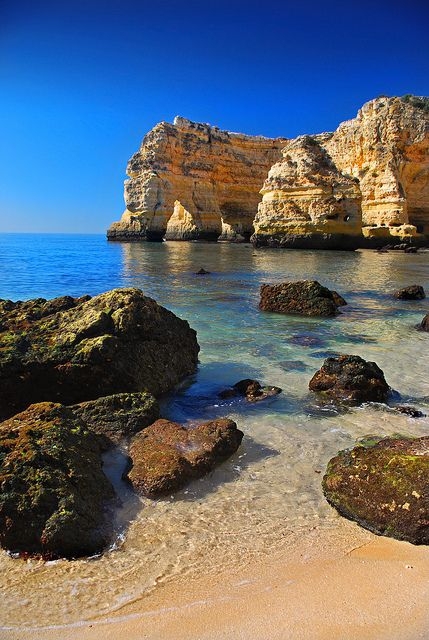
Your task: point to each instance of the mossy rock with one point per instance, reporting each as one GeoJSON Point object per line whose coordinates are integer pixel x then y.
{"type": "Point", "coordinates": [383, 485]}
{"type": "Point", "coordinates": [350, 380]}
{"type": "Point", "coordinates": [53, 492]}
{"type": "Point", "coordinates": [305, 297]}
{"type": "Point", "coordinates": [70, 350]}
{"type": "Point", "coordinates": [118, 416]}
{"type": "Point", "coordinates": [166, 455]}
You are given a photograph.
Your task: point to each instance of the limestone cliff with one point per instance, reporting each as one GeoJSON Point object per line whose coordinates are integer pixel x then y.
{"type": "Point", "coordinates": [366, 183]}
{"type": "Point", "coordinates": [372, 172]}
{"type": "Point", "coordinates": [192, 181]}
{"type": "Point", "coordinates": [387, 148]}
{"type": "Point", "coordinates": [308, 202]}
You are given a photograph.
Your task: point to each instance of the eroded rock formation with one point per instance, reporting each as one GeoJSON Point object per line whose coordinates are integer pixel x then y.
{"type": "Point", "coordinates": [192, 181]}
{"type": "Point", "coordinates": [363, 185]}
{"type": "Point", "coordinates": [386, 147]}
{"type": "Point", "coordinates": [308, 202]}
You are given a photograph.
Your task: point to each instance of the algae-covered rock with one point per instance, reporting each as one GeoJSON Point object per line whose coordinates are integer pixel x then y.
{"type": "Point", "coordinates": [120, 415]}
{"type": "Point", "coordinates": [305, 297]}
{"type": "Point", "coordinates": [383, 485]}
{"type": "Point", "coordinates": [350, 380]}
{"type": "Point", "coordinates": [71, 350]}
{"type": "Point", "coordinates": [413, 292]}
{"type": "Point", "coordinates": [166, 455]}
{"type": "Point", "coordinates": [53, 492]}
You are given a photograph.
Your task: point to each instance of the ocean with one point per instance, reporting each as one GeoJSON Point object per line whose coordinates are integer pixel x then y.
{"type": "Point", "coordinates": [270, 490]}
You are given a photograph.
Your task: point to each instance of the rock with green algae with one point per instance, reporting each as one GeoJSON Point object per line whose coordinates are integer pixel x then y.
{"type": "Point", "coordinates": [304, 297]}
{"type": "Point", "coordinates": [70, 350]}
{"type": "Point", "coordinates": [118, 416]}
{"type": "Point", "coordinates": [383, 485]}
{"type": "Point", "coordinates": [166, 455]}
{"type": "Point", "coordinates": [351, 380]}
{"type": "Point", "coordinates": [53, 492]}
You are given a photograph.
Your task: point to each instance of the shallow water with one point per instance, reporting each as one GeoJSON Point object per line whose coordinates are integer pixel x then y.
{"type": "Point", "coordinates": [270, 489]}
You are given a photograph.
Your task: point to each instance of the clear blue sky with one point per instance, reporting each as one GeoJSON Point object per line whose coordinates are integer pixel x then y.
{"type": "Point", "coordinates": [82, 81]}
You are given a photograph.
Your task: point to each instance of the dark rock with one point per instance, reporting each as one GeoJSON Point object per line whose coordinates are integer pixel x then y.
{"type": "Point", "coordinates": [251, 390]}
{"type": "Point", "coordinates": [410, 250]}
{"type": "Point", "coordinates": [166, 455]}
{"type": "Point", "coordinates": [383, 485]}
{"type": "Point", "coordinates": [410, 411]}
{"type": "Point", "coordinates": [306, 341]}
{"type": "Point", "coordinates": [339, 300]}
{"type": "Point", "coordinates": [202, 272]}
{"type": "Point", "coordinates": [424, 325]}
{"type": "Point", "coordinates": [305, 297]}
{"type": "Point", "coordinates": [119, 341]}
{"type": "Point", "coordinates": [413, 292]}
{"type": "Point", "coordinates": [350, 380]}
{"type": "Point", "coordinates": [118, 416]}
{"type": "Point", "coordinates": [53, 490]}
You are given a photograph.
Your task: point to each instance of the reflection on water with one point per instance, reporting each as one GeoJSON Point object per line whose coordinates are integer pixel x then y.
{"type": "Point", "coordinates": [270, 488]}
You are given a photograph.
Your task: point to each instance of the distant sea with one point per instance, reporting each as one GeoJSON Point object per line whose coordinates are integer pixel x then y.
{"type": "Point", "coordinates": [270, 489]}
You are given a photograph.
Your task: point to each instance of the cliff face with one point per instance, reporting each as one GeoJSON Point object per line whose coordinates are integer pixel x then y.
{"type": "Point", "coordinates": [365, 183]}
{"type": "Point", "coordinates": [387, 148]}
{"type": "Point", "coordinates": [192, 181]}
{"type": "Point", "coordinates": [369, 179]}
{"type": "Point", "coordinates": [307, 201]}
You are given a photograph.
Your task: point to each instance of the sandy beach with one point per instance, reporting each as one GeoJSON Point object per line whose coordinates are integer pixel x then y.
{"type": "Point", "coordinates": [331, 584]}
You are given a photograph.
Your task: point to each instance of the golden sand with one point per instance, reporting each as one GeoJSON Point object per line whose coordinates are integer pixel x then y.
{"type": "Point", "coordinates": [335, 584]}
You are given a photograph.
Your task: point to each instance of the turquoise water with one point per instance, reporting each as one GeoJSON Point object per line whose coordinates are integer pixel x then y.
{"type": "Point", "coordinates": [271, 487]}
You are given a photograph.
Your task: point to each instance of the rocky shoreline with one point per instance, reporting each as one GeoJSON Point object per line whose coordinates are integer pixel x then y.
{"type": "Point", "coordinates": [79, 376]}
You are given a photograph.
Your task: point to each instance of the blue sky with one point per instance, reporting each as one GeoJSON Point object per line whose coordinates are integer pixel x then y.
{"type": "Point", "coordinates": [81, 83]}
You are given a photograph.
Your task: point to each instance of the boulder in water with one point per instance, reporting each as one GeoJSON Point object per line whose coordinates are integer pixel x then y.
{"type": "Point", "coordinates": [118, 416]}
{"type": "Point", "coordinates": [351, 380]}
{"type": "Point", "coordinates": [70, 350]}
{"type": "Point", "coordinates": [53, 490]}
{"type": "Point", "coordinates": [413, 292]}
{"type": "Point", "coordinates": [305, 297]}
{"type": "Point", "coordinates": [252, 390]}
{"type": "Point", "coordinates": [166, 455]}
{"type": "Point", "coordinates": [383, 486]}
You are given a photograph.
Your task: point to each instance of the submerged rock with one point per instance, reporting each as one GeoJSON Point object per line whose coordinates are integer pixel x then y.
{"type": "Point", "coordinates": [53, 490]}
{"type": "Point", "coordinates": [305, 297]}
{"type": "Point", "coordinates": [118, 416]}
{"type": "Point", "coordinates": [383, 486]}
{"type": "Point", "coordinates": [77, 349]}
{"type": "Point", "coordinates": [413, 292]}
{"type": "Point", "coordinates": [252, 390]}
{"type": "Point", "coordinates": [424, 325]}
{"type": "Point", "coordinates": [166, 455]}
{"type": "Point", "coordinates": [350, 380]}
{"type": "Point", "coordinates": [409, 411]}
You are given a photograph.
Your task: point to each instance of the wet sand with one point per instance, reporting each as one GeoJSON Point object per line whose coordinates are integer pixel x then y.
{"type": "Point", "coordinates": [330, 584]}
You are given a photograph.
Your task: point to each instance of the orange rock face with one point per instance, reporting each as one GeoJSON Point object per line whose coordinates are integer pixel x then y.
{"type": "Point", "coordinates": [387, 148]}
{"type": "Point", "coordinates": [366, 183]}
{"type": "Point", "coordinates": [193, 181]}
